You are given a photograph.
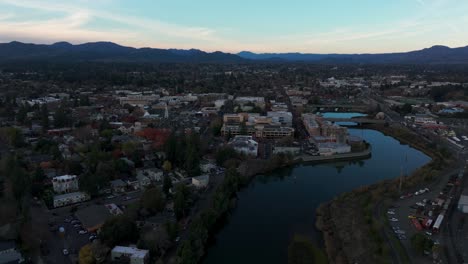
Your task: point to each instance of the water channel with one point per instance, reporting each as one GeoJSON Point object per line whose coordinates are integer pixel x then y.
{"type": "Point", "coordinates": [276, 206]}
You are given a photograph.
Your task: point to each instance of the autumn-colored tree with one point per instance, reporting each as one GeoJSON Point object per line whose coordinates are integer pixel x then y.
{"type": "Point", "coordinates": [86, 255]}
{"type": "Point", "coordinates": [167, 166]}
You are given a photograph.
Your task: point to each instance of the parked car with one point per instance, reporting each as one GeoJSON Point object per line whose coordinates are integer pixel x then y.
{"type": "Point", "coordinates": [428, 233]}
{"type": "Point", "coordinates": [65, 252]}
{"type": "Point", "coordinates": [393, 219]}
{"type": "Point", "coordinates": [391, 212]}
{"type": "Point", "coordinates": [82, 232]}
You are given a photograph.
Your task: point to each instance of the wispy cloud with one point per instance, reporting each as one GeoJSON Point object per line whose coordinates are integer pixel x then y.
{"type": "Point", "coordinates": [79, 16]}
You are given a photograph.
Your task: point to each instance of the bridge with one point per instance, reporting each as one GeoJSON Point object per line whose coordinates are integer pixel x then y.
{"type": "Point", "coordinates": [357, 120]}
{"type": "Point", "coordinates": [342, 106]}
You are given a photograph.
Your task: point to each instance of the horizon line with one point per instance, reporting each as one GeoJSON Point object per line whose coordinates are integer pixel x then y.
{"type": "Point", "coordinates": [227, 52]}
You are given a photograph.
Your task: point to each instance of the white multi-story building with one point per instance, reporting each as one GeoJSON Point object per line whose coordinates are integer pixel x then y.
{"type": "Point", "coordinates": [332, 148]}
{"type": "Point", "coordinates": [65, 183]}
{"type": "Point", "coordinates": [136, 256]}
{"type": "Point", "coordinates": [70, 198]}
{"type": "Point", "coordinates": [245, 145]}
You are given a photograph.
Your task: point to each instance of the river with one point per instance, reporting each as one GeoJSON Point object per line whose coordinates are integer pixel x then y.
{"type": "Point", "coordinates": [276, 206]}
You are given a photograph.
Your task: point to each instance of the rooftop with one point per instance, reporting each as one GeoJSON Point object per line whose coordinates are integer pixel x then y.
{"type": "Point", "coordinates": [134, 252]}
{"type": "Point", "coordinates": [67, 195]}
{"type": "Point", "coordinates": [93, 215]}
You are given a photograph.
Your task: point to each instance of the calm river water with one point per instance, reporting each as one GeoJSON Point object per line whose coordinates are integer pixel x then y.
{"type": "Point", "coordinates": [276, 206]}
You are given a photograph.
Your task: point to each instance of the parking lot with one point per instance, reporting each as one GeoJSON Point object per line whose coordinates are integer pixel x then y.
{"type": "Point", "coordinates": [417, 213]}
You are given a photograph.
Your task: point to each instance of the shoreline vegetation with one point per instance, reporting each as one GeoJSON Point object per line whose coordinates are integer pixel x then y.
{"type": "Point", "coordinates": [349, 223]}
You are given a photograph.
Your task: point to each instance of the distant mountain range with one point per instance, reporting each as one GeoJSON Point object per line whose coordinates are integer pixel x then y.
{"type": "Point", "coordinates": [433, 55]}
{"type": "Point", "coordinates": [107, 51]}
{"type": "Point", "coordinates": [111, 52]}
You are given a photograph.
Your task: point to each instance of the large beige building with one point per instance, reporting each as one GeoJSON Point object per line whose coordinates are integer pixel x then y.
{"type": "Point", "coordinates": [255, 125]}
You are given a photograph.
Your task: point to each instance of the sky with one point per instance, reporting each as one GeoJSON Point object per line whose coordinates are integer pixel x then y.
{"type": "Point", "coordinates": [308, 26]}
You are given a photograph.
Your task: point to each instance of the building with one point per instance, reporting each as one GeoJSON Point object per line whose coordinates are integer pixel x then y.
{"type": "Point", "coordinates": [244, 145]}
{"type": "Point", "coordinates": [285, 118]}
{"type": "Point", "coordinates": [118, 186]}
{"type": "Point", "coordinates": [139, 100]}
{"type": "Point", "coordinates": [135, 255]}
{"type": "Point", "coordinates": [9, 254]}
{"type": "Point", "coordinates": [65, 183]}
{"type": "Point", "coordinates": [233, 118]}
{"type": "Point", "coordinates": [311, 124]}
{"type": "Point", "coordinates": [253, 124]}
{"type": "Point", "coordinates": [201, 181]}
{"type": "Point", "coordinates": [332, 148]}
{"type": "Point", "coordinates": [273, 132]}
{"type": "Point", "coordinates": [256, 101]}
{"type": "Point", "coordinates": [463, 204]}
{"type": "Point", "coordinates": [70, 198]}
{"type": "Point", "coordinates": [154, 174]}
{"type": "Point", "coordinates": [335, 132]}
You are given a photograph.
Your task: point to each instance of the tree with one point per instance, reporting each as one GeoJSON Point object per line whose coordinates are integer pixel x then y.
{"type": "Point", "coordinates": [302, 251]}
{"type": "Point", "coordinates": [12, 136]}
{"type": "Point", "coordinates": [22, 114]}
{"type": "Point", "coordinates": [421, 243]}
{"type": "Point", "coordinates": [153, 200]}
{"type": "Point", "coordinates": [167, 184]}
{"type": "Point", "coordinates": [167, 166]}
{"type": "Point", "coordinates": [156, 241]}
{"type": "Point", "coordinates": [186, 253]}
{"type": "Point", "coordinates": [171, 149]}
{"type": "Point", "coordinates": [39, 175]}
{"type": "Point", "coordinates": [61, 118]}
{"type": "Point", "coordinates": [216, 126]}
{"type": "Point", "coordinates": [224, 154]}
{"type": "Point", "coordinates": [406, 109]}
{"type": "Point", "coordinates": [86, 255]}
{"type": "Point", "coordinates": [118, 230]}
{"type": "Point", "coordinates": [181, 198]}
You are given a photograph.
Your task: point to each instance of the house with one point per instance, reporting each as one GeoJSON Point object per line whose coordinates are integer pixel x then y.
{"type": "Point", "coordinates": [65, 183]}
{"type": "Point", "coordinates": [133, 183]}
{"type": "Point", "coordinates": [144, 181]}
{"type": "Point", "coordinates": [207, 167]}
{"type": "Point", "coordinates": [135, 255]}
{"type": "Point", "coordinates": [70, 198]}
{"type": "Point", "coordinates": [9, 254]}
{"type": "Point", "coordinates": [154, 174]}
{"type": "Point", "coordinates": [201, 181]}
{"type": "Point", "coordinates": [118, 186]}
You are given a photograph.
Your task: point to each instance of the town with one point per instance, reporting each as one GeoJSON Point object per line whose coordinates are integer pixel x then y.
{"type": "Point", "coordinates": [143, 165]}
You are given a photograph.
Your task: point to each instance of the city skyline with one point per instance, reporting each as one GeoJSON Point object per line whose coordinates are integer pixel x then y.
{"type": "Point", "coordinates": [298, 26]}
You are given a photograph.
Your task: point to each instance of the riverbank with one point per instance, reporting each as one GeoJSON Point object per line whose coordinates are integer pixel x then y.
{"type": "Point", "coordinates": [351, 233]}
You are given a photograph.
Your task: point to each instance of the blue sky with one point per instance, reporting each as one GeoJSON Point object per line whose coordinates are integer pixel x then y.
{"type": "Point", "coordinates": [332, 26]}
